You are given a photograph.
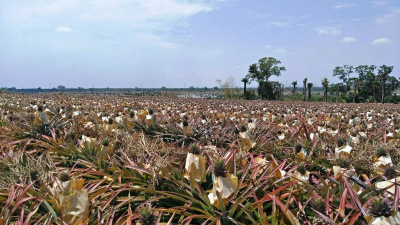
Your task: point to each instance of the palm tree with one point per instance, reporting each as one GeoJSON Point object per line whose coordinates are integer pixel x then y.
{"type": "Point", "coordinates": [309, 85]}
{"type": "Point", "coordinates": [325, 84]}
{"type": "Point", "coordinates": [245, 80]}
{"type": "Point", "coordinates": [304, 89]}
{"type": "Point", "coordinates": [294, 83]}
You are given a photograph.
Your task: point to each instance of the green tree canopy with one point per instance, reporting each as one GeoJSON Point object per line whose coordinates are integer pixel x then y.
{"type": "Point", "coordinates": [263, 70]}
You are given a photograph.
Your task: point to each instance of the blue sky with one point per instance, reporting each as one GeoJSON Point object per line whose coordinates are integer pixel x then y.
{"type": "Point", "coordinates": [176, 43]}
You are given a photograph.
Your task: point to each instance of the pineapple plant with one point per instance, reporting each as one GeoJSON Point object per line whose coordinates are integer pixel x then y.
{"type": "Point", "coordinates": [105, 142]}
{"type": "Point", "coordinates": [381, 152]}
{"type": "Point", "coordinates": [194, 149]}
{"type": "Point", "coordinates": [390, 172]}
{"type": "Point", "coordinates": [301, 168]}
{"type": "Point", "coordinates": [340, 141]}
{"type": "Point", "coordinates": [343, 163]}
{"type": "Point", "coordinates": [110, 121]}
{"type": "Point", "coordinates": [298, 148]}
{"type": "Point", "coordinates": [380, 207]}
{"type": "Point", "coordinates": [319, 205]}
{"type": "Point", "coordinates": [63, 177]}
{"type": "Point", "coordinates": [146, 215]}
{"type": "Point", "coordinates": [219, 169]}
{"type": "Point", "coordinates": [243, 128]}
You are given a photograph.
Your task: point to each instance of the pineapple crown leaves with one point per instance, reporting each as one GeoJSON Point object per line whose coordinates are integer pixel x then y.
{"type": "Point", "coordinates": [381, 152]}
{"type": "Point", "coordinates": [34, 174]}
{"type": "Point", "coordinates": [340, 141]}
{"type": "Point", "coordinates": [105, 142]}
{"type": "Point", "coordinates": [194, 149]}
{"type": "Point", "coordinates": [343, 162]}
{"type": "Point", "coordinates": [243, 128]}
{"type": "Point", "coordinates": [301, 168]}
{"type": "Point", "coordinates": [146, 215]}
{"type": "Point", "coordinates": [219, 169]}
{"type": "Point", "coordinates": [390, 172]}
{"type": "Point", "coordinates": [64, 177]}
{"type": "Point", "coordinates": [380, 207]}
{"type": "Point", "coordinates": [298, 148]}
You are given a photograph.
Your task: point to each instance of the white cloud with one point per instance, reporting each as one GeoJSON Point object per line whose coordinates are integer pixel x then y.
{"type": "Point", "coordinates": [343, 5]}
{"type": "Point", "coordinates": [63, 29]}
{"type": "Point", "coordinates": [138, 13]}
{"type": "Point", "coordinates": [279, 24]}
{"type": "Point", "coordinates": [155, 17]}
{"type": "Point", "coordinates": [379, 3]}
{"type": "Point", "coordinates": [348, 40]}
{"type": "Point", "coordinates": [381, 41]}
{"type": "Point", "coordinates": [329, 30]}
{"type": "Point", "coordinates": [393, 15]}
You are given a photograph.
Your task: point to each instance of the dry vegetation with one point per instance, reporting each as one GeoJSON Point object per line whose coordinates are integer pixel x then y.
{"type": "Point", "coordinates": [72, 159]}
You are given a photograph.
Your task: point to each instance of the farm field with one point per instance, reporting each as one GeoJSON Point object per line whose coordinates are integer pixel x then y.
{"type": "Point", "coordinates": [91, 159]}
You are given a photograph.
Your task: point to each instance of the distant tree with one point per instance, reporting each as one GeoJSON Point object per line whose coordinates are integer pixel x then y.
{"type": "Point", "coordinates": [245, 80]}
{"type": "Point", "coordinates": [383, 75]}
{"type": "Point", "coordinates": [344, 74]}
{"type": "Point", "coordinates": [294, 83]}
{"type": "Point", "coordinates": [229, 88]}
{"type": "Point", "coordinates": [61, 87]}
{"type": "Point", "coordinates": [271, 90]}
{"type": "Point", "coordinates": [309, 86]}
{"type": "Point", "coordinates": [304, 89]}
{"type": "Point", "coordinates": [163, 88]}
{"type": "Point", "coordinates": [337, 86]}
{"type": "Point", "coordinates": [391, 85]}
{"type": "Point", "coordinates": [367, 81]}
{"type": "Point", "coordinates": [191, 88]}
{"type": "Point", "coordinates": [279, 87]}
{"type": "Point", "coordinates": [215, 88]}
{"type": "Point", "coordinates": [250, 95]}
{"type": "Point", "coordinates": [263, 70]}
{"type": "Point", "coordinates": [325, 84]}
{"type": "Point", "coordinates": [355, 82]}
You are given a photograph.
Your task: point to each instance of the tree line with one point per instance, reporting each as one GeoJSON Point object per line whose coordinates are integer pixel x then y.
{"type": "Point", "coordinates": [364, 83]}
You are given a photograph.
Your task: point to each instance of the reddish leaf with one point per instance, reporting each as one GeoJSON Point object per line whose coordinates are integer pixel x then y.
{"type": "Point", "coordinates": [396, 196]}
{"type": "Point", "coordinates": [342, 205]}
{"type": "Point", "coordinates": [354, 218]}
{"type": "Point", "coordinates": [354, 197]}
{"type": "Point", "coordinates": [288, 214]}
{"type": "Point", "coordinates": [20, 202]}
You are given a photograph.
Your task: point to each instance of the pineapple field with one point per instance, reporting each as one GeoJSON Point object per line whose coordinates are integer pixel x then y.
{"type": "Point", "coordinates": [102, 159]}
